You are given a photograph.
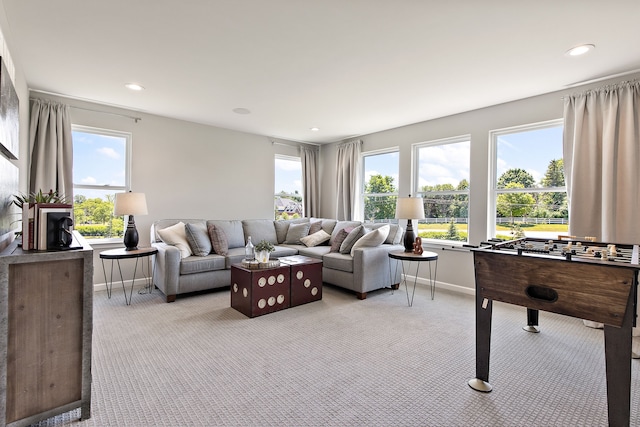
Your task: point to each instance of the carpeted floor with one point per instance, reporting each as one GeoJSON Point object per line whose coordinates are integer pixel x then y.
{"type": "Point", "coordinates": [339, 362]}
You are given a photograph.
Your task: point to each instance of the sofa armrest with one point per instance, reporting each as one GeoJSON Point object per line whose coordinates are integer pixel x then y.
{"type": "Point", "coordinates": [167, 268]}
{"type": "Point", "coordinates": [373, 269]}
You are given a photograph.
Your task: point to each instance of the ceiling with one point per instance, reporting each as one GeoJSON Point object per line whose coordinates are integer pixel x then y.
{"type": "Point", "coordinates": [348, 67]}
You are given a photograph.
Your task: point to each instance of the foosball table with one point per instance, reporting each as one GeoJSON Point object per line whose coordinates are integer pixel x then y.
{"type": "Point", "coordinates": [578, 277]}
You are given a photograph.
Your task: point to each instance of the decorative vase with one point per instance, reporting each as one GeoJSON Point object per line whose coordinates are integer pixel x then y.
{"type": "Point", "coordinates": [262, 256]}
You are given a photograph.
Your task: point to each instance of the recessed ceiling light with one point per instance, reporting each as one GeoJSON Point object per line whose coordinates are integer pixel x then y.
{"type": "Point", "coordinates": [241, 111]}
{"type": "Point", "coordinates": [133, 86]}
{"type": "Point", "coordinates": [314, 129]}
{"type": "Point", "coordinates": [580, 50]}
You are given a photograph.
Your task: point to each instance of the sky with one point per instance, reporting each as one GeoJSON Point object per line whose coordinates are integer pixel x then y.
{"type": "Point", "coordinates": [288, 176]}
{"type": "Point", "coordinates": [91, 150]}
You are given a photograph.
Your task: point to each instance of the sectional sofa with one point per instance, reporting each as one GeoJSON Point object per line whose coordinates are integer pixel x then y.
{"type": "Point", "coordinates": [197, 254]}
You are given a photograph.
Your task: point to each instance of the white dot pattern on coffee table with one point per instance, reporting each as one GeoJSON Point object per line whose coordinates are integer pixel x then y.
{"type": "Point", "coordinates": [262, 303]}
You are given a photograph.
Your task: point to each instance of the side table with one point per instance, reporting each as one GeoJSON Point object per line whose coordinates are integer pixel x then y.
{"type": "Point", "coordinates": [408, 258]}
{"type": "Point", "coordinates": [119, 254]}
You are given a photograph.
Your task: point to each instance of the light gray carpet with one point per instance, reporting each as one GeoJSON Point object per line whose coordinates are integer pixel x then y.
{"type": "Point", "coordinates": [339, 362]}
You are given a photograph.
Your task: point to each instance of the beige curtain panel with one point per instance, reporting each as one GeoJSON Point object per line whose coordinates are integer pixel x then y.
{"type": "Point", "coordinates": [602, 162]}
{"type": "Point", "coordinates": [310, 191]}
{"type": "Point", "coordinates": [348, 180]}
{"type": "Point", "coordinates": [51, 148]}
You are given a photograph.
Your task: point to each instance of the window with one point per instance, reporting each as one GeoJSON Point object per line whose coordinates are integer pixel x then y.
{"type": "Point", "coordinates": [380, 191]}
{"type": "Point", "coordinates": [100, 169]}
{"type": "Point", "coordinates": [529, 196]}
{"type": "Point", "coordinates": [442, 180]}
{"type": "Point", "coordinates": [288, 188]}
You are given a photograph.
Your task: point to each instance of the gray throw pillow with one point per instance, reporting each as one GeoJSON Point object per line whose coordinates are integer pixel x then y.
{"type": "Point", "coordinates": [198, 238]}
{"type": "Point", "coordinates": [337, 242]}
{"type": "Point", "coordinates": [296, 232]}
{"type": "Point", "coordinates": [351, 239]}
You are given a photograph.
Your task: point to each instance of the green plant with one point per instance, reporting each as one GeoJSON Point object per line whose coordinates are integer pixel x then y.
{"type": "Point", "coordinates": [264, 245]}
{"type": "Point", "coordinates": [39, 197]}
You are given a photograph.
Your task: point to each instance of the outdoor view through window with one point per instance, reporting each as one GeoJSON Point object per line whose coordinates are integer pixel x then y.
{"type": "Point", "coordinates": [288, 186]}
{"type": "Point", "coordinates": [99, 172]}
{"type": "Point", "coordinates": [530, 196]}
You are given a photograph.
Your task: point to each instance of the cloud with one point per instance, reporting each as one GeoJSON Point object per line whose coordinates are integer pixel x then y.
{"type": "Point", "coordinates": [109, 152]}
{"type": "Point", "coordinates": [88, 180]}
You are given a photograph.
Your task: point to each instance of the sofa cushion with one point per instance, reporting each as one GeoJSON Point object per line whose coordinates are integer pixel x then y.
{"type": "Point", "coordinates": [282, 250]}
{"type": "Point", "coordinates": [218, 240]}
{"type": "Point", "coordinates": [176, 236]}
{"type": "Point", "coordinates": [351, 239]}
{"type": "Point", "coordinates": [316, 238]}
{"type": "Point", "coordinates": [315, 226]}
{"type": "Point", "coordinates": [259, 230]}
{"type": "Point", "coordinates": [235, 256]}
{"type": "Point", "coordinates": [199, 264]}
{"type": "Point", "coordinates": [340, 225]}
{"type": "Point", "coordinates": [232, 229]}
{"type": "Point", "coordinates": [339, 238]}
{"type": "Point", "coordinates": [296, 232]}
{"type": "Point", "coordinates": [373, 238]}
{"type": "Point", "coordinates": [395, 232]}
{"type": "Point", "coordinates": [198, 238]}
{"type": "Point", "coordinates": [327, 224]}
{"type": "Point", "coordinates": [282, 226]}
{"type": "Point", "coordinates": [338, 261]}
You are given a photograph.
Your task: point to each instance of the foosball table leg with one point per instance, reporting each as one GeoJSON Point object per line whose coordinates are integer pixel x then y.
{"type": "Point", "coordinates": [532, 321]}
{"type": "Point", "coordinates": [484, 308]}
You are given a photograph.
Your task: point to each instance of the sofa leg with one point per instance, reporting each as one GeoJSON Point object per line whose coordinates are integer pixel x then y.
{"type": "Point", "coordinates": [395, 286]}
{"type": "Point", "coordinates": [171, 298]}
{"type": "Point", "coordinates": [361, 295]}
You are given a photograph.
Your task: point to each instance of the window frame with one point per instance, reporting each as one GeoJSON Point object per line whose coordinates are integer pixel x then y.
{"type": "Point", "coordinates": [288, 158]}
{"type": "Point", "coordinates": [363, 183]}
{"type": "Point", "coordinates": [128, 137]}
{"type": "Point", "coordinates": [415, 181]}
{"type": "Point", "coordinates": [494, 191]}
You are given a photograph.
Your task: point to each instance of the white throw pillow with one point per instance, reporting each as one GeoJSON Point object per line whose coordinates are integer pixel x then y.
{"type": "Point", "coordinates": [176, 236]}
{"type": "Point", "coordinates": [316, 238]}
{"type": "Point", "coordinates": [372, 239]}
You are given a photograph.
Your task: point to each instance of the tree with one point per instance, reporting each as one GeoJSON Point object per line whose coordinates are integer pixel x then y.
{"type": "Point", "coordinates": [515, 204]}
{"type": "Point", "coordinates": [379, 206]}
{"type": "Point", "coordinates": [517, 176]}
{"type": "Point", "coordinates": [438, 206]}
{"type": "Point", "coordinates": [556, 202]}
{"type": "Point", "coordinates": [452, 232]}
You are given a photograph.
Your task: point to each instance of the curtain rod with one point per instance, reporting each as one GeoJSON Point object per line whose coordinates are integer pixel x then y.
{"type": "Point", "coordinates": [274, 142]}
{"type": "Point", "coordinates": [134, 118]}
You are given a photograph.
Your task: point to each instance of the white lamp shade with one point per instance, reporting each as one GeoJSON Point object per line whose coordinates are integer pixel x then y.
{"type": "Point", "coordinates": [130, 204]}
{"type": "Point", "coordinates": [409, 208]}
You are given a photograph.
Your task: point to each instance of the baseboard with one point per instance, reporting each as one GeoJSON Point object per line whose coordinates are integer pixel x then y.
{"type": "Point", "coordinates": [443, 285]}
{"type": "Point", "coordinates": [117, 285]}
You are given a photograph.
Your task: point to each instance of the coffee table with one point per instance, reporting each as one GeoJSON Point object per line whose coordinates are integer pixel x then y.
{"type": "Point", "coordinates": [297, 280]}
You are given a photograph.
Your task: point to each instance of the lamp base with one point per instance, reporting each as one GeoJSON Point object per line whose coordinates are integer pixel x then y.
{"type": "Point", "coordinates": [131, 235]}
{"type": "Point", "coordinates": [409, 237]}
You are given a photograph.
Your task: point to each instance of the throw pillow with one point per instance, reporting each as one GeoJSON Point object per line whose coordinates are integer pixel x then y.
{"type": "Point", "coordinates": [218, 240]}
{"type": "Point", "coordinates": [176, 236]}
{"type": "Point", "coordinates": [372, 239]}
{"type": "Point", "coordinates": [337, 242]}
{"type": "Point", "coordinates": [315, 227]}
{"type": "Point", "coordinates": [296, 232]}
{"type": "Point", "coordinates": [198, 238]}
{"type": "Point", "coordinates": [351, 239]}
{"type": "Point", "coordinates": [316, 238]}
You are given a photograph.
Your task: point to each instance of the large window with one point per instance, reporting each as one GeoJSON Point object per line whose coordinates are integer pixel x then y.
{"type": "Point", "coordinates": [442, 179]}
{"type": "Point", "coordinates": [380, 185]}
{"type": "Point", "coordinates": [529, 196]}
{"type": "Point", "coordinates": [100, 170]}
{"type": "Point", "coordinates": [288, 188]}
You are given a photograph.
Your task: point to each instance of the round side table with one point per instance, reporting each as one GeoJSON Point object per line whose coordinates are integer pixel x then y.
{"type": "Point", "coordinates": [408, 258]}
{"type": "Point", "coordinates": [119, 254]}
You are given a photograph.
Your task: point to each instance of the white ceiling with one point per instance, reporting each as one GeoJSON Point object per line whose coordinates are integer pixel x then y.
{"type": "Point", "coordinates": [349, 67]}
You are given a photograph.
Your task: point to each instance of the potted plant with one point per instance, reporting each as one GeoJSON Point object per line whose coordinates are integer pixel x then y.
{"type": "Point", "coordinates": [263, 249]}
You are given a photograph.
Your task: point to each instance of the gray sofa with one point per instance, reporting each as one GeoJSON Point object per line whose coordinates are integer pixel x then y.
{"type": "Point", "coordinates": [361, 270]}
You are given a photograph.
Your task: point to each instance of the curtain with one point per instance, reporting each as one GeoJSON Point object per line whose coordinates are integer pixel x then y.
{"type": "Point", "coordinates": [347, 206]}
{"type": "Point", "coordinates": [51, 148]}
{"type": "Point", "coordinates": [310, 193]}
{"type": "Point", "coordinates": [602, 162]}
{"type": "Point", "coordinates": [601, 145]}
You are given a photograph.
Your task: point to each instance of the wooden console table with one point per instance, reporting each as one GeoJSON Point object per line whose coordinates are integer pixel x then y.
{"type": "Point", "coordinates": [46, 324]}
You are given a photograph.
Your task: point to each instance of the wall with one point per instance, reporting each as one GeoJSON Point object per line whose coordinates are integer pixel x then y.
{"type": "Point", "coordinates": [455, 268]}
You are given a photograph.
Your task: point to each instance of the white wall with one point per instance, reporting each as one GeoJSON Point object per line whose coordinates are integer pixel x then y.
{"type": "Point", "coordinates": [456, 268]}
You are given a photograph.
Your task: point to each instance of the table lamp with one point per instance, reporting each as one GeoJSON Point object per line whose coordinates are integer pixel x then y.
{"type": "Point", "coordinates": [409, 208]}
{"type": "Point", "coordinates": [130, 204]}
